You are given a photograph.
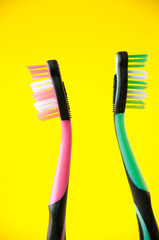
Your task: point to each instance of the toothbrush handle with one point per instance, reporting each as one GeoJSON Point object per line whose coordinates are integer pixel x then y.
{"type": "Point", "coordinates": [58, 198]}
{"type": "Point", "coordinates": [141, 196]}
{"type": "Point", "coordinates": [56, 228]}
{"type": "Point", "coordinates": [146, 221]}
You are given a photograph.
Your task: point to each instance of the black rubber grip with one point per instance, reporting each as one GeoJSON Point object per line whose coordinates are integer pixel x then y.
{"type": "Point", "coordinates": [121, 82]}
{"type": "Point", "coordinates": [59, 89]}
{"type": "Point", "coordinates": [142, 200]}
{"type": "Point", "coordinates": [57, 212]}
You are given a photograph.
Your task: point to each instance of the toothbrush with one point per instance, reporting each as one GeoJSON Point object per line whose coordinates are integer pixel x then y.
{"type": "Point", "coordinates": [129, 86]}
{"type": "Point", "coordinates": [52, 102]}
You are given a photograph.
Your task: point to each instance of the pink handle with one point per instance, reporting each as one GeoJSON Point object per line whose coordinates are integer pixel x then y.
{"type": "Point", "coordinates": [63, 165]}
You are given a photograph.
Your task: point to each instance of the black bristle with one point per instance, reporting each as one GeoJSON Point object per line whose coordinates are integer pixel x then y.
{"type": "Point", "coordinates": [114, 90]}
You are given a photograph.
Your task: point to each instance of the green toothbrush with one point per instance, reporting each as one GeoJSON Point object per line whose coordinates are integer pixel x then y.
{"type": "Point", "coordinates": [129, 86]}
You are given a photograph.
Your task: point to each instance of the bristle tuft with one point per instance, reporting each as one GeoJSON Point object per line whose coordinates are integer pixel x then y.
{"type": "Point", "coordinates": [139, 56]}
{"type": "Point", "coordinates": [36, 77]}
{"type": "Point", "coordinates": [39, 71]}
{"type": "Point", "coordinates": [36, 67]}
{"type": "Point", "coordinates": [136, 65]}
{"type": "Point", "coordinates": [136, 85]}
{"type": "Point", "coordinates": [43, 93]}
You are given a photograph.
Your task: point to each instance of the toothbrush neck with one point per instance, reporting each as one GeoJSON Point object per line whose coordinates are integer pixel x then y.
{"type": "Point", "coordinates": [63, 166]}
{"type": "Point", "coordinates": [66, 132]}
{"type": "Point", "coordinates": [127, 153]}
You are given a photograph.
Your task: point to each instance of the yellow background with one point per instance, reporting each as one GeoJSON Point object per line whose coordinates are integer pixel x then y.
{"type": "Point", "coordinates": [84, 37]}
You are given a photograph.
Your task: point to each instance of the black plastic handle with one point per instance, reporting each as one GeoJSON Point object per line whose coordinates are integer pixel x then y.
{"type": "Point", "coordinates": [142, 201]}
{"type": "Point", "coordinates": [57, 212]}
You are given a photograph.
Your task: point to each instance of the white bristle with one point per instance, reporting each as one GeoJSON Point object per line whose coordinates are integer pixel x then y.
{"type": "Point", "coordinates": [44, 102]}
{"type": "Point", "coordinates": [137, 96]}
{"type": "Point", "coordinates": [137, 72]}
{"type": "Point", "coordinates": [41, 88]}
{"type": "Point", "coordinates": [137, 92]}
{"type": "Point", "coordinates": [39, 83]}
{"type": "Point", "coordinates": [46, 107]}
{"type": "Point", "coordinates": [137, 77]}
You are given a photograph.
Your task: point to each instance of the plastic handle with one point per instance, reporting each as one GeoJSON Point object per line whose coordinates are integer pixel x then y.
{"type": "Point", "coordinates": [58, 198]}
{"type": "Point", "coordinates": [57, 212]}
{"type": "Point", "coordinates": [141, 196]}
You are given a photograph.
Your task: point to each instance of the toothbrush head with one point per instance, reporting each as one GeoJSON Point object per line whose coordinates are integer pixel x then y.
{"type": "Point", "coordinates": [49, 92]}
{"type": "Point", "coordinates": [129, 82]}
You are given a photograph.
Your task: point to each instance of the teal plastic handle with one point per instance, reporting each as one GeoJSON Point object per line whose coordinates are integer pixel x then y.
{"type": "Point", "coordinates": [127, 153]}
{"type": "Point", "coordinates": [141, 196]}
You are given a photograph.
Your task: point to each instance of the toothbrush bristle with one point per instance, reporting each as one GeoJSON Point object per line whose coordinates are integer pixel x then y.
{"type": "Point", "coordinates": [36, 67]}
{"type": "Point", "coordinates": [39, 71]}
{"type": "Point", "coordinates": [43, 93]}
{"type": "Point", "coordinates": [36, 77]}
{"type": "Point", "coordinates": [136, 81]}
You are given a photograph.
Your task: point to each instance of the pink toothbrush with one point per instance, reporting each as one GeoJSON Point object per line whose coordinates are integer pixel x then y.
{"type": "Point", "coordinates": [52, 102]}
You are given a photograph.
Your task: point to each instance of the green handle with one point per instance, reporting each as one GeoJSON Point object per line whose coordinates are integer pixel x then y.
{"type": "Point", "coordinates": [146, 220]}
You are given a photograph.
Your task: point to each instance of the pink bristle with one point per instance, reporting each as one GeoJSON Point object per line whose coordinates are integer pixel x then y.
{"type": "Point", "coordinates": [43, 97]}
{"type": "Point", "coordinates": [49, 91]}
{"type": "Point", "coordinates": [37, 66]}
{"type": "Point", "coordinates": [49, 117]}
{"type": "Point", "coordinates": [44, 93]}
{"type": "Point", "coordinates": [39, 71]}
{"type": "Point", "coordinates": [48, 112]}
{"type": "Point", "coordinates": [35, 77]}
